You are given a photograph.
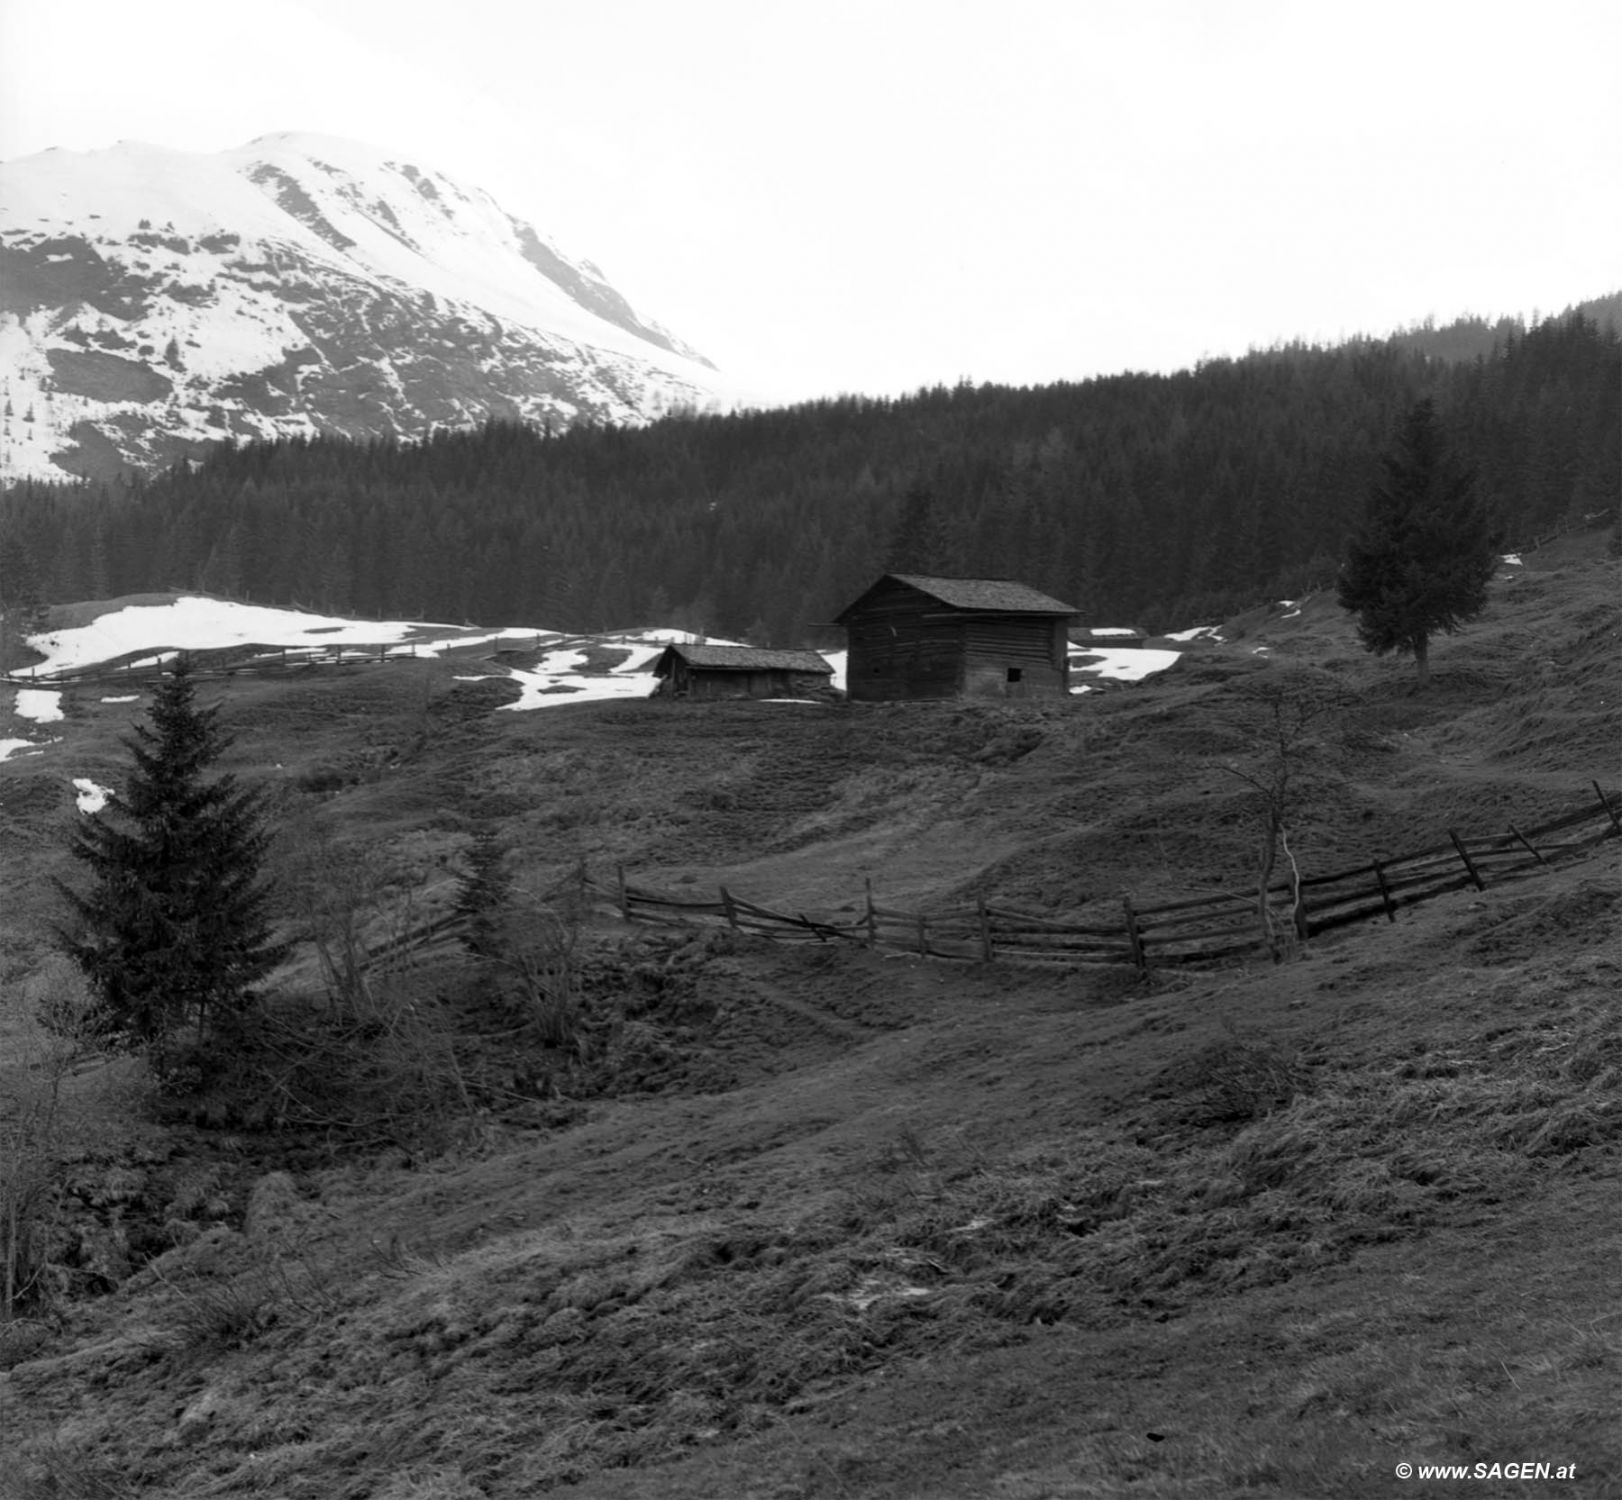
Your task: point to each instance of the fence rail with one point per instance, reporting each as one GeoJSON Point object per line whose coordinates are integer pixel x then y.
{"type": "Point", "coordinates": [217, 661]}
{"type": "Point", "coordinates": [1197, 929]}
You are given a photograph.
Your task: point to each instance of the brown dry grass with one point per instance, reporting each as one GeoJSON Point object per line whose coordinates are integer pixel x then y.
{"type": "Point", "coordinates": [850, 1225]}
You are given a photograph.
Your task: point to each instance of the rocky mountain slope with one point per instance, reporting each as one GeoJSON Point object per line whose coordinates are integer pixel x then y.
{"type": "Point", "coordinates": [153, 302]}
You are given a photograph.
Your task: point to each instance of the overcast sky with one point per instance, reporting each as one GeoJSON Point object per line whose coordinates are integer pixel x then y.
{"type": "Point", "coordinates": [872, 195]}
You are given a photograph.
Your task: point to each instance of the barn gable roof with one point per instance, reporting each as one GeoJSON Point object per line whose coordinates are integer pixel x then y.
{"type": "Point", "coordinates": [742, 659]}
{"type": "Point", "coordinates": [995, 595]}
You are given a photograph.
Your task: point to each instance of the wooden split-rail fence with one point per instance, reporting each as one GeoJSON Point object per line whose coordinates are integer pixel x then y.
{"type": "Point", "coordinates": [1200, 929]}
{"type": "Point", "coordinates": [267, 660]}
{"type": "Point", "coordinates": [220, 661]}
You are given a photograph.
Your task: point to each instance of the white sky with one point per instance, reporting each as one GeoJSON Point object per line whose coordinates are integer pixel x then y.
{"type": "Point", "coordinates": [878, 194]}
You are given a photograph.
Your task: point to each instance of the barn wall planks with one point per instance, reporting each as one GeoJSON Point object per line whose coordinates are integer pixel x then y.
{"type": "Point", "coordinates": [903, 644]}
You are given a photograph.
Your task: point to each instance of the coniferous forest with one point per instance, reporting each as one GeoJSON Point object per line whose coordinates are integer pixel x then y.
{"type": "Point", "coordinates": [1140, 499]}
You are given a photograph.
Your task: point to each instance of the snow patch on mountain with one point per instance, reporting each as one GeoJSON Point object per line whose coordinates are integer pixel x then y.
{"type": "Point", "coordinates": [153, 302]}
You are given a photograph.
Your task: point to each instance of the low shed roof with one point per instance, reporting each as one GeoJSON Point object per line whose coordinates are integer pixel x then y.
{"type": "Point", "coordinates": [997, 595]}
{"type": "Point", "coordinates": [742, 659]}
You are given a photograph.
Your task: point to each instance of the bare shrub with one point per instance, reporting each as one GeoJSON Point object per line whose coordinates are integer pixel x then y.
{"type": "Point", "coordinates": [532, 940]}
{"type": "Point", "coordinates": [541, 951]}
{"type": "Point", "coordinates": [342, 896]}
{"type": "Point", "coordinates": [1276, 712]}
{"type": "Point", "coordinates": [32, 1125]}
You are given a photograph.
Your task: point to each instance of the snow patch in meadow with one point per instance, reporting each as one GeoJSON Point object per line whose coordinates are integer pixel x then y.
{"type": "Point", "coordinates": [8, 748]}
{"type": "Point", "coordinates": [197, 624]}
{"type": "Point", "coordinates": [562, 672]}
{"type": "Point", "coordinates": [1124, 663]}
{"type": "Point", "coordinates": [153, 634]}
{"type": "Point", "coordinates": [42, 705]}
{"type": "Point", "coordinates": [91, 797]}
{"type": "Point", "coordinates": [560, 676]}
{"type": "Point", "coordinates": [554, 682]}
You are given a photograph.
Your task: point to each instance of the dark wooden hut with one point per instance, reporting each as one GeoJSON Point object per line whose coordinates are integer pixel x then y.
{"type": "Point", "coordinates": [740, 672]}
{"type": "Point", "coordinates": [913, 636]}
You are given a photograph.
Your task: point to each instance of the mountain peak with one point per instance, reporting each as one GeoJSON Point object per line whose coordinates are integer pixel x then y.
{"type": "Point", "coordinates": [155, 301]}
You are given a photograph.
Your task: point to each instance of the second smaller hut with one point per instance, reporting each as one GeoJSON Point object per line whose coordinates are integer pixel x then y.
{"type": "Point", "coordinates": [740, 672]}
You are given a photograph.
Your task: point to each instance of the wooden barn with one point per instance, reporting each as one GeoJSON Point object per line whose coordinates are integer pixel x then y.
{"type": "Point", "coordinates": [740, 672]}
{"type": "Point", "coordinates": [912, 636]}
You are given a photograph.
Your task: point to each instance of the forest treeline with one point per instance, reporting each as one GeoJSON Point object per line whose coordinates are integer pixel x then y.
{"type": "Point", "coordinates": [1155, 500]}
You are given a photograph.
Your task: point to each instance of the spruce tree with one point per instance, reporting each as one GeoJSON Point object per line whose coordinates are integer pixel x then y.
{"type": "Point", "coordinates": [1422, 559]}
{"type": "Point", "coordinates": [915, 543]}
{"type": "Point", "coordinates": [174, 928]}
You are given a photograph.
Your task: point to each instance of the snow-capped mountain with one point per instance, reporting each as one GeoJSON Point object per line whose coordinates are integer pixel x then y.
{"type": "Point", "coordinates": [153, 302]}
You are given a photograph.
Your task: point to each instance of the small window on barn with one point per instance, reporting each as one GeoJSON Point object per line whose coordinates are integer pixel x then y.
{"type": "Point", "coordinates": [1015, 674]}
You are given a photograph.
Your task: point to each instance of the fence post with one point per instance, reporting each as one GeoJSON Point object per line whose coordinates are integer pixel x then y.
{"type": "Point", "coordinates": [985, 927]}
{"type": "Point", "coordinates": [1385, 892]}
{"type": "Point", "coordinates": [872, 916]}
{"type": "Point", "coordinates": [1133, 936]}
{"type": "Point", "coordinates": [730, 909]}
{"type": "Point", "coordinates": [1605, 802]}
{"type": "Point", "coordinates": [625, 895]}
{"type": "Point", "coordinates": [1469, 864]}
{"type": "Point", "coordinates": [1527, 846]}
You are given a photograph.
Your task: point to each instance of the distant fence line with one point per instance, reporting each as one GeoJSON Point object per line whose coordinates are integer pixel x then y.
{"type": "Point", "coordinates": [222, 661]}
{"type": "Point", "coordinates": [1201, 929]}
{"type": "Point", "coordinates": [276, 660]}
{"type": "Point", "coordinates": [1563, 527]}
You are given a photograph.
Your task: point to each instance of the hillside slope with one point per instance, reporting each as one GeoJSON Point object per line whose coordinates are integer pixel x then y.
{"type": "Point", "coordinates": [821, 1222]}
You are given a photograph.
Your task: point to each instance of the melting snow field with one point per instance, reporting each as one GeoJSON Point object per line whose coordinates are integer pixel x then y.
{"type": "Point", "coordinates": [196, 624]}
{"type": "Point", "coordinates": [1120, 663]}
{"type": "Point", "coordinates": [562, 673]}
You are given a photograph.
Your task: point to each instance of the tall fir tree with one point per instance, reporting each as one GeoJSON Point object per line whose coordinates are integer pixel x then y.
{"type": "Point", "coordinates": [915, 542]}
{"type": "Point", "coordinates": [1423, 557]}
{"type": "Point", "coordinates": [174, 928]}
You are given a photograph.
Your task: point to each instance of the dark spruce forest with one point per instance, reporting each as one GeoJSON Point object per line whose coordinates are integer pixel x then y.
{"type": "Point", "coordinates": [1153, 500]}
